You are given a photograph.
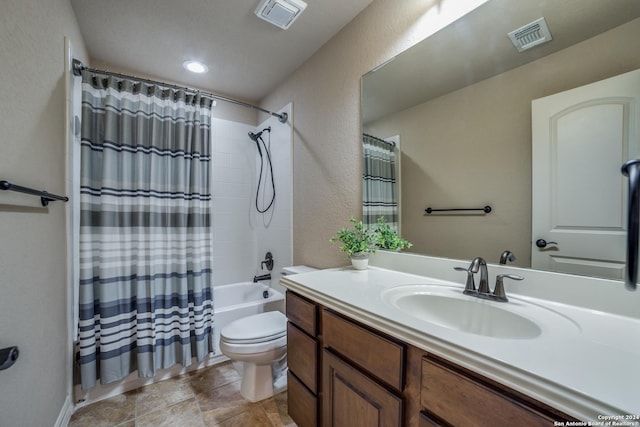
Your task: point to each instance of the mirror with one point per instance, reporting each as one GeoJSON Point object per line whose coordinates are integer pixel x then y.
{"type": "Point", "coordinates": [460, 104]}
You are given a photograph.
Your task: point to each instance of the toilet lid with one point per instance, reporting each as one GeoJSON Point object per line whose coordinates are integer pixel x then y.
{"type": "Point", "coordinates": [257, 328]}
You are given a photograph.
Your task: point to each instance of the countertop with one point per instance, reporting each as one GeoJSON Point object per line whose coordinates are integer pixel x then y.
{"type": "Point", "coordinates": [585, 363]}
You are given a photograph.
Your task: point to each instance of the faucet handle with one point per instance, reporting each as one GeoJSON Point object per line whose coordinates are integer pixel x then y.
{"type": "Point", "coordinates": [498, 290]}
{"type": "Point", "coordinates": [470, 285]}
{"type": "Point", "coordinates": [268, 261]}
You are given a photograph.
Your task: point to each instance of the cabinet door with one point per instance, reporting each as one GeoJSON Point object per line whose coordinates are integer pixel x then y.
{"type": "Point", "coordinates": [351, 399]}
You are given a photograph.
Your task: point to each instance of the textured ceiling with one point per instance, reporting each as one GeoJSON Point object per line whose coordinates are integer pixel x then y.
{"type": "Point", "coordinates": [247, 57]}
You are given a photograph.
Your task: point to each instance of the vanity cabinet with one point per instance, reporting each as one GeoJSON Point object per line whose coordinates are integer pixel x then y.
{"type": "Point", "coordinates": [341, 373]}
{"type": "Point", "coordinates": [302, 360]}
{"type": "Point", "coordinates": [344, 373]}
{"type": "Point", "coordinates": [362, 375]}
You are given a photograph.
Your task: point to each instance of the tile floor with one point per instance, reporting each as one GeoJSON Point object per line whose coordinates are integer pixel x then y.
{"type": "Point", "coordinates": [205, 398]}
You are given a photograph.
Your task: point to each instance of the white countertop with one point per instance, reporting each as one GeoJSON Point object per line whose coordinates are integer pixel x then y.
{"type": "Point", "coordinates": [586, 363]}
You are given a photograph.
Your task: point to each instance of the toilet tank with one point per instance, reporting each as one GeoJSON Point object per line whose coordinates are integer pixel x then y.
{"type": "Point", "coordinates": [297, 269]}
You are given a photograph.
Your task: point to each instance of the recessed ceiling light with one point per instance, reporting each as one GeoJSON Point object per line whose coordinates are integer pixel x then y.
{"type": "Point", "coordinates": [195, 67]}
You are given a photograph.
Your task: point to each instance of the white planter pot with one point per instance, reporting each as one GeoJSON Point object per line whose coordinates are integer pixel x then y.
{"type": "Point", "coordinates": [360, 261]}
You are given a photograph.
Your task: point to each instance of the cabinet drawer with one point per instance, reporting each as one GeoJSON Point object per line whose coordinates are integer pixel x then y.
{"type": "Point", "coordinates": [302, 404]}
{"type": "Point", "coordinates": [303, 313]}
{"type": "Point", "coordinates": [381, 356]}
{"type": "Point", "coordinates": [302, 356]}
{"type": "Point", "coordinates": [463, 401]}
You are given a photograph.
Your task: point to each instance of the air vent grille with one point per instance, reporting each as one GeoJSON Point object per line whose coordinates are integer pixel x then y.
{"type": "Point", "coordinates": [280, 13]}
{"type": "Point", "coordinates": [530, 35]}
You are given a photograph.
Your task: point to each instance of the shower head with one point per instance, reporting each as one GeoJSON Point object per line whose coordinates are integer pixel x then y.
{"type": "Point", "coordinates": [255, 136]}
{"type": "Point", "coordinates": [258, 136]}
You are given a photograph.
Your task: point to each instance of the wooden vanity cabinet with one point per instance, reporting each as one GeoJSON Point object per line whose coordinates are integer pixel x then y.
{"type": "Point", "coordinates": [341, 373]}
{"type": "Point", "coordinates": [303, 360]}
{"type": "Point", "coordinates": [344, 373]}
{"type": "Point", "coordinates": [363, 375]}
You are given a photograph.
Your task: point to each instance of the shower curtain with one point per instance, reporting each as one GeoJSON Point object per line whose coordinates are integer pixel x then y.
{"type": "Point", "coordinates": [379, 189]}
{"type": "Point", "coordinates": [146, 295]}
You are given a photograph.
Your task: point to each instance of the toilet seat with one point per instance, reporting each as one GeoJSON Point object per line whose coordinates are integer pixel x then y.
{"type": "Point", "coordinates": [254, 350]}
{"type": "Point", "coordinates": [256, 329]}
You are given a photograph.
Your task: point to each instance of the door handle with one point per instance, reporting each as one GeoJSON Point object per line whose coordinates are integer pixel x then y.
{"type": "Point", "coordinates": [541, 243]}
{"type": "Point", "coordinates": [632, 170]}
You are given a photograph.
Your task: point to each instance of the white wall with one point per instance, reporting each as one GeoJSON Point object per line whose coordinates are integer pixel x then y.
{"type": "Point", "coordinates": [274, 227]}
{"type": "Point", "coordinates": [242, 236]}
{"type": "Point", "coordinates": [33, 285]}
{"type": "Point", "coordinates": [234, 236]}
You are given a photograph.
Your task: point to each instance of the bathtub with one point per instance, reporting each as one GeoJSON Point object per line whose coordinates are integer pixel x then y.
{"type": "Point", "coordinates": [239, 300]}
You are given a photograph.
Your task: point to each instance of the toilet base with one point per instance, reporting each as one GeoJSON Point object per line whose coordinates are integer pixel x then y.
{"type": "Point", "coordinates": [257, 382]}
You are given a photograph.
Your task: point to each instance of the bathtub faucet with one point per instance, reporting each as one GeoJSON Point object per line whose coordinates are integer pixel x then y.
{"type": "Point", "coordinates": [256, 279]}
{"type": "Point", "coordinates": [268, 261]}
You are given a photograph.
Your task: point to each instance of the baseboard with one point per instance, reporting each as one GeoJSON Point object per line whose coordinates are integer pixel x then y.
{"type": "Point", "coordinates": [65, 413]}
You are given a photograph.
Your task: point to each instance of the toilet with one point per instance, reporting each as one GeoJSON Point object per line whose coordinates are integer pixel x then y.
{"type": "Point", "coordinates": [259, 342]}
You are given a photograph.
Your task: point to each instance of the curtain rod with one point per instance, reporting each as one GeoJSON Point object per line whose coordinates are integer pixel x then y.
{"type": "Point", "coordinates": [78, 67]}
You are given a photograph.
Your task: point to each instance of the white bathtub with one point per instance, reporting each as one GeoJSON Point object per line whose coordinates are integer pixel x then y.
{"type": "Point", "coordinates": [239, 300]}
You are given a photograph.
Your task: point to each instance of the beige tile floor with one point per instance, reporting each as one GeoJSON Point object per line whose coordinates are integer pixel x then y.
{"type": "Point", "coordinates": [205, 398]}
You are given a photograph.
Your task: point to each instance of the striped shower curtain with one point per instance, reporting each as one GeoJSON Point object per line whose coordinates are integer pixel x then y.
{"type": "Point", "coordinates": [146, 295]}
{"type": "Point", "coordinates": [379, 189]}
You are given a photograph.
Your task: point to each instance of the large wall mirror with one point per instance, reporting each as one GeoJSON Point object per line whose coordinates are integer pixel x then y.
{"type": "Point", "coordinates": [459, 106]}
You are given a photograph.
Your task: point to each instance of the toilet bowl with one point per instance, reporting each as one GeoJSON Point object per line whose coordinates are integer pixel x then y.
{"type": "Point", "coordinates": [258, 341]}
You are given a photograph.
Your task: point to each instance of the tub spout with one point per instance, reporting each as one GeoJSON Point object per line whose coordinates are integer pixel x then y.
{"type": "Point", "coordinates": [256, 279]}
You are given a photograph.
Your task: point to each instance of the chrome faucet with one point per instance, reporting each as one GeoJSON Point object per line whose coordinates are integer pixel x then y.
{"type": "Point", "coordinates": [479, 263]}
{"type": "Point", "coordinates": [483, 291]}
{"type": "Point", "coordinates": [507, 256]}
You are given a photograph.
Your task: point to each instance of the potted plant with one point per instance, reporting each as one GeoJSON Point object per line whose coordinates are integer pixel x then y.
{"type": "Point", "coordinates": [360, 241]}
{"type": "Point", "coordinates": [357, 242]}
{"type": "Point", "coordinates": [388, 238]}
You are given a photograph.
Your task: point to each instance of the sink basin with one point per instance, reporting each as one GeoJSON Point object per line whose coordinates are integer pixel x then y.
{"type": "Point", "coordinates": [448, 307]}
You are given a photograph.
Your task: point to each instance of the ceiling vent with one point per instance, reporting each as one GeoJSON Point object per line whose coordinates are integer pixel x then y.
{"type": "Point", "coordinates": [530, 35]}
{"type": "Point", "coordinates": [281, 13]}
